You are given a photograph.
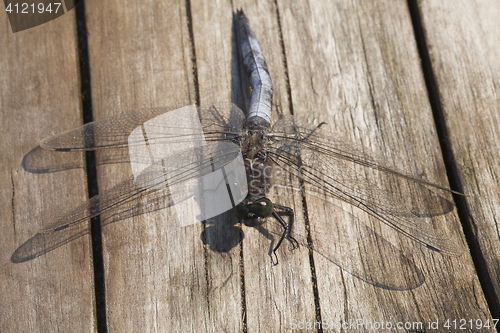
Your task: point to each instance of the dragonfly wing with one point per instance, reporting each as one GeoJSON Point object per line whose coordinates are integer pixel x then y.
{"type": "Point", "coordinates": [295, 133]}
{"type": "Point", "coordinates": [155, 125]}
{"type": "Point", "coordinates": [330, 244]}
{"type": "Point", "coordinates": [400, 202]}
{"type": "Point", "coordinates": [161, 175]}
{"type": "Point", "coordinates": [48, 240]}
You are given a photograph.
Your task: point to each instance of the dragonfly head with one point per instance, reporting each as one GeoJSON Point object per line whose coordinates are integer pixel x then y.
{"type": "Point", "coordinates": [254, 214]}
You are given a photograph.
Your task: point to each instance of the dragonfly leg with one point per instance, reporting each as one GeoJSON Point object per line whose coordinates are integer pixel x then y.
{"type": "Point", "coordinates": [287, 229]}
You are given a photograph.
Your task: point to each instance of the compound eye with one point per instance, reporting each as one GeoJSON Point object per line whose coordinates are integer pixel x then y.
{"type": "Point", "coordinates": [262, 207]}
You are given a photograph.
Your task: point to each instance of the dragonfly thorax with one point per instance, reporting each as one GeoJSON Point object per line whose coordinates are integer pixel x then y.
{"type": "Point", "coordinates": [259, 175]}
{"type": "Point", "coordinates": [255, 137]}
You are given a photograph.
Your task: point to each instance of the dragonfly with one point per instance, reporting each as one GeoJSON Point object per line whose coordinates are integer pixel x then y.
{"type": "Point", "coordinates": [222, 138]}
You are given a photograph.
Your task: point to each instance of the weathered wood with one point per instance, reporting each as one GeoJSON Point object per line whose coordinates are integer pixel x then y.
{"type": "Point", "coordinates": [355, 65]}
{"type": "Point", "coordinates": [140, 56]}
{"type": "Point", "coordinates": [352, 65]}
{"type": "Point", "coordinates": [215, 60]}
{"type": "Point", "coordinates": [274, 295]}
{"type": "Point", "coordinates": [39, 96]}
{"type": "Point", "coordinates": [463, 44]}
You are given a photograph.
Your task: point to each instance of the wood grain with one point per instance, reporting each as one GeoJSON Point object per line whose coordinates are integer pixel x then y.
{"type": "Point", "coordinates": [351, 64]}
{"type": "Point", "coordinates": [212, 31]}
{"type": "Point", "coordinates": [154, 270]}
{"type": "Point", "coordinates": [274, 294]}
{"type": "Point", "coordinates": [463, 45]}
{"type": "Point", "coordinates": [356, 66]}
{"type": "Point", "coordinates": [39, 96]}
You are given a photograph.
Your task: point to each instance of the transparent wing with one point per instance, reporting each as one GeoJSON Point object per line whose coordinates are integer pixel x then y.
{"type": "Point", "coordinates": [329, 243]}
{"type": "Point", "coordinates": [48, 240]}
{"type": "Point", "coordinates": [159, 125]}
{"type": "Point", "coordinates": [289, 132]}
{"type": "Point", "coordinates": [161, 175]}
{"type": "Point", "coordinates": [346, 172]}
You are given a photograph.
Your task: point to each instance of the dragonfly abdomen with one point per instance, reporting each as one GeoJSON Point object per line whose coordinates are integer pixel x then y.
{"type": "Point", "coordinates": [256, 68]}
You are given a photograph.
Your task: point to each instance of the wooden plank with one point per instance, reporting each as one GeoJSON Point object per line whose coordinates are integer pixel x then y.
{"type": "Point", "coordinates": [463, 45]}
{"type": "Point", "coordinates": [356, 66]}
{"type": "Point", "coordinates": [274, 295]}
{"type": "Point", "coordinates": [351, 65]}
{"type": "Point", "coordinates": [154, 269]}
{"type": "Point", "coordinates": [47, 285]}
{"type": "Point", "coordinates": [215, 54]}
